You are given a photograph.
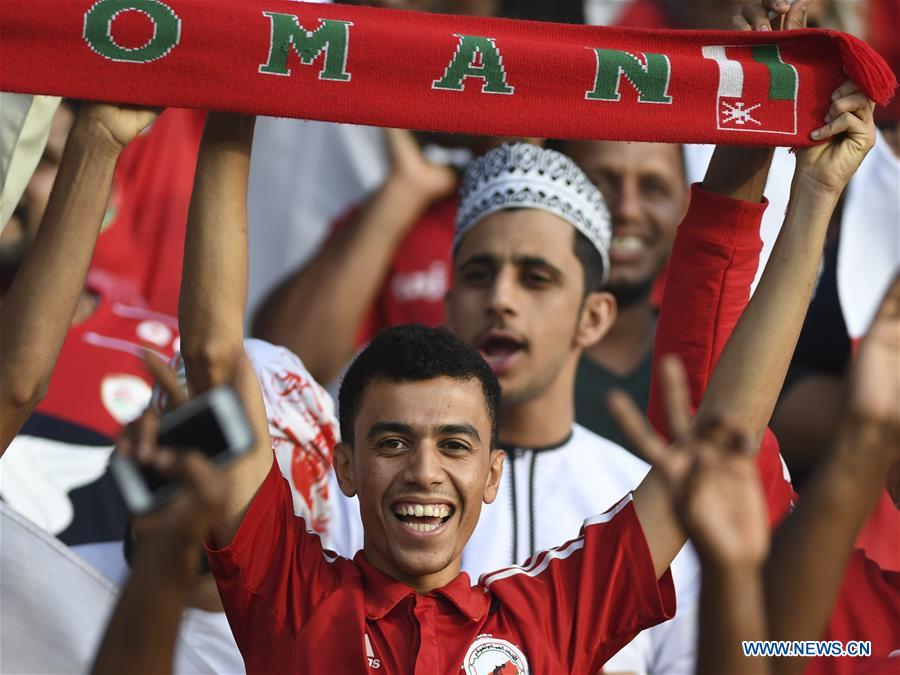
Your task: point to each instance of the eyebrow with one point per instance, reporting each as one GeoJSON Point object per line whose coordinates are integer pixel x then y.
{"type": "Point", "coordinates": [521, 261]}
{"type": "Point", "coordinates": [442, 430]}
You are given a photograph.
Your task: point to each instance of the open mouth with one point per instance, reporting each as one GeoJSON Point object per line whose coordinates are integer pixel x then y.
{"type": "Point", "coordinates": [627, 246]}
{"type": "Point", "coordinates": [422, 518]}
{"type": "Point", "coordinates": [500, 349]}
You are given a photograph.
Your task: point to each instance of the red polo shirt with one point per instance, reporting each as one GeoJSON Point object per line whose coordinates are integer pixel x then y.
{"type": "Point", "coordinates": [294, 607]}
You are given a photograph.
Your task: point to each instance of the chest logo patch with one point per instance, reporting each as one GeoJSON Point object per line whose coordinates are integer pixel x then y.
{"type": "Point", "coordinates": [124, 396]}
{"type": "Point", "coordinates": [488, 655]}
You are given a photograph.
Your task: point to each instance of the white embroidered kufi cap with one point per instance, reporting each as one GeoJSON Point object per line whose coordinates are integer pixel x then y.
{"type": "Point", "coordinates": [526, 176]}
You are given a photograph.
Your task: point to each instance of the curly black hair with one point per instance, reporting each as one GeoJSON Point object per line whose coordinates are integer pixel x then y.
{"type": "Point", "coordinates": [413, 353]}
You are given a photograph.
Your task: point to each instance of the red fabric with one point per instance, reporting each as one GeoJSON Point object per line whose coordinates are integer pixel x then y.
{"type": "Point", "coordinates": [143, 239]}
{"type": "Point", "coordinates": [883, 17]}
{"type": "Point", "coordinates": [394, 58]}
{"type": "Point", "coordinates": [713, 262]}
{"type": "Point", "coordinates": [867, 608]}
{"type": "Point", "coordinates": [99, 374]}
{"type": "Point", "coordinates": [296, 608]}
{"type": "Point", "coordinates": [643, 14]}
{"type": "Point", "coordinates": [419, 276]}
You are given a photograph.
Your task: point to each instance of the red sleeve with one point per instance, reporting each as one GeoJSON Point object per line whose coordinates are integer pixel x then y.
{"type": "Point", "coordinates": [272, 575]}
{"type": "Point", "coordinates": [713, 263]}
{"type": "Point", "coordinates": [591, 596]}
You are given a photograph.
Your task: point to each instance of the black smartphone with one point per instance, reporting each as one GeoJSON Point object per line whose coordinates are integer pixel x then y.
{"type": "Point", "coordinates": [213, 423]}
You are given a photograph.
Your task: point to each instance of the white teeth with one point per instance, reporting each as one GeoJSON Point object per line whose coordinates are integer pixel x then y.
{"type": "Point", "coordinates": [423, 510]}
{"type": "Point", "coordinates": [628, 243]}
{"type": "Point", "coordinates": [420, 527]}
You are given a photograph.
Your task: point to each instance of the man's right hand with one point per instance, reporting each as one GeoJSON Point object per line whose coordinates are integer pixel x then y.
{"type": "Point", "coordinates": [424, 180]}
{"type": "Point", "coordinates": [709, 471]}
{"type": "Point", "coordinates": [114, 125]}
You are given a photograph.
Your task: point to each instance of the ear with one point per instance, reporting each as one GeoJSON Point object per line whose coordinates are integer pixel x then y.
{"type": "Point", "coordinates": [494, 475]}
{"type": "Point", "coordinates": [343, 468]}
{"type": "Point", "coordinates": [598, 314]}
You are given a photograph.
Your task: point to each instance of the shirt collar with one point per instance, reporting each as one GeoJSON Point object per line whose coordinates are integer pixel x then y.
{"type": "Point", "coordinates": [383, 593]}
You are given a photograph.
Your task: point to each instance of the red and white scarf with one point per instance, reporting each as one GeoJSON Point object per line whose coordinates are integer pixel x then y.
{"type": "Point", "coordinates": [435, 72]}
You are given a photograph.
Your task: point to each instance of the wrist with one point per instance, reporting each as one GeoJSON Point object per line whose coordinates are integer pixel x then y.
{"type": "Point", "coordinates": [406, 196]}
{"type": "Point", "coordinates": [866, 442]}
{"type": "Point", "coordinates": [91, 135]}
{"type": "Point", "coordinates": [806, 182]}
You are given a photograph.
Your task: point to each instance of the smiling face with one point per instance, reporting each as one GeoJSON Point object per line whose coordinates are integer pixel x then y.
{"type": "Point", "coordinates": [518, 297]}
{"type": "Point", "coordinates": [421, 465]}
{"type": "Point", "coordinates": [645, 188]}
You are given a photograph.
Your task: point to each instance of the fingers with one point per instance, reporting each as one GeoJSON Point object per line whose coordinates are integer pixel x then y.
{"type": "Point", "coordinates": [754, 16]}
{"type": "Point", "coordinates": [856, 104]}
{"type": "Point", "coordinates": [676, 395]}
{"type": "Point", "coordinates": [206, 484]}
{"type": "Point", "coordinates": [767, 15]}
{"type": "Point", "coordinates": [847, 88]}
{"type": "Point", "coordinates": [719, 435]}
{"type": "Point", "coordinates": [636, 428]}
{"type": "Point", "coordinates": [166, 378]}
{"type": "Point", "coordinates": [847, 122]}
{"type": "Point", "coordinates": [145, 437]}
{"type": "Point", "coordinates": [796, 15]}
{"type": "Point", "coordinates": [401, 142]}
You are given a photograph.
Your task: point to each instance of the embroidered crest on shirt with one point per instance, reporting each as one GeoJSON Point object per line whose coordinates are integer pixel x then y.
{"type": "Point", "coordinates": [488, 655]}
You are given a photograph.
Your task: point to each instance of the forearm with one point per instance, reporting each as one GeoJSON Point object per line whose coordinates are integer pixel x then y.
{"type": "Point", "coordinates": [738, 172]}
{"type": "Point", "coordinates": [317, 312]}
{"type": "Point", "coordinates": [143, 630]}
{"type": "Point", "coordinates": [41, 302]}
{"type": "Point", "coordinates": [214, 282]}
{"type": "Point", "coordinates": [713, 262]}
{"type": "Point", "coordinates": [818, 537]}
{"type": "Point", "coordinates": [753, 364]}
{"type": "Point", "coordinates": [732, 610]}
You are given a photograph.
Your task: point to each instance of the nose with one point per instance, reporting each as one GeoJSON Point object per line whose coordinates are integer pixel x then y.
{"type": "Point", "coordinates": [625, 204]}
{"type": "Point", "coordinates": [503, 293]}
{"type": "Point", "coordinates": [424, 468]}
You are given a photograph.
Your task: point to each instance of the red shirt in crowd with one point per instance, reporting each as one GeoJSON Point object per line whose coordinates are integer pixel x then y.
{"type": "Point", "coordinates": [867, 608]}
{"type": "Point", "coordinates": [295, 607]}
{"type": "Point", "coordinates": [419, 275]}
{"type": "Point", "coordinates": [143, 234]}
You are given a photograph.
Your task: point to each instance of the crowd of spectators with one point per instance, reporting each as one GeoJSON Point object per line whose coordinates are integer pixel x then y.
{"type": "Point", "coordinates": [630, 446]}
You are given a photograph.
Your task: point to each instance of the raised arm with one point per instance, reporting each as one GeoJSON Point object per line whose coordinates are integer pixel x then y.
{"type": "Point", "coordinates": [751, 369]}
{"type": "Point", "coordinates": [716, 496]}
{"type": "Point", "coordinates": [811, 550]}
{"type": "Point", "coordinates": [143, 631]}
{"type": "Point", "coordinates": [38, 309]}
{"type": "Point", "coordinates": [214, 295]}
{"type": "Point", "coordinates": [716, 252]}
{"type": "Point", "coordinates": [317, 312]}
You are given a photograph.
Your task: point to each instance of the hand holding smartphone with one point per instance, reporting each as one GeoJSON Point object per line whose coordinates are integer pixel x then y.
{"type": "Point", "coordinates": [213, 423]}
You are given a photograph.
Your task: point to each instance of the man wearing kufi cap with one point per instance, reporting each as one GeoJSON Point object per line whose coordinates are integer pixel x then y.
{"type": "Point", "coordinates": [531, 262]}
